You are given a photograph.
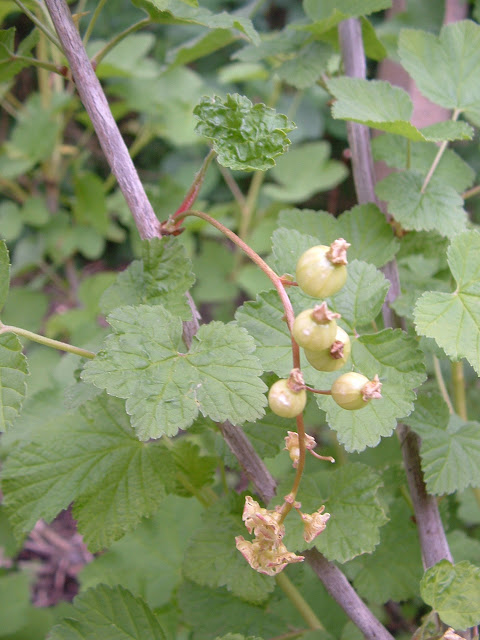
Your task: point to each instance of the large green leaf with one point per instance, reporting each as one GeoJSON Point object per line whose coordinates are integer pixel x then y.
{"type": "Point", "coordinates": [213, 560]}
{"type": "Point", "coordinates": [245, 136]}
{"type": "Point", "coordinates": [371, 237]}
{"type": "Point", "coordinates": [148, 561]}
{"type": "Point", "coordinates": [106, 613]}
{"type": "Point", "coordinates": [178, 12]}
{"type": "Point", "coordinates": [454, 592]}
{"type": "Point", "coordinates": [450, 446]}
{"type": "Point", "coordinates": [93, 459]}
{"type": "Point", "coordinates": [13, 374]}
{"type": "Point", "coordinates": [437, 208]}
{"type": "Point", "coordinates": [161, 276]}
{"type": "Point", "coordinates": [166, 386]}
{"type": "Point", "coordinates": [378, 105]}
{"type": "Point", "coordinates": [396, 359]}
{"type": "Point", "coordinates": [350, 494]}
{"type": "Point", "coordinates": [453, 319]}
{"type": "Point", "coordinates": [446, 68]}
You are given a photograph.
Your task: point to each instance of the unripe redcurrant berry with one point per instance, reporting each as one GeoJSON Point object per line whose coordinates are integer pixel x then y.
{"type": "Point", "coordinates": [321, 270]}
{"type": "Point", "coordinates": [287, 397]}
{"type": "Point", "coordinates": [354, 391]}
{"type": "Point", "coordinates": [316, 328]}
{"type": "Point", "coordinates": [333, 357]}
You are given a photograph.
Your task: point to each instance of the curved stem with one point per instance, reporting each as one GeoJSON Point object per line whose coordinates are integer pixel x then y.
{"type": "Point", "coordinates": [288, 504]}
{"type": "Point", "coordinates": [93, 20]}
{"type": "Point", "coordinates": [39, 24]}
{"type": "Point", "coordinates": [298, 601]}
{"type": "Point", "coordinates": [98, 57]}
{"type": "Point", "coordinates": [441, 384]}
{"type": "Point", "coordinates": [194, 189]}
{"type": "Point", "coordinates": [56, 344]}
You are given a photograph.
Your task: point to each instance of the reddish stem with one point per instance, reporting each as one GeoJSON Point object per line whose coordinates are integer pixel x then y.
{"type": "Point", "coordinates": [194, 190]}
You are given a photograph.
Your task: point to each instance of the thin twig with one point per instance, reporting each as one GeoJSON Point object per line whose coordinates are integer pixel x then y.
{"type": "Point", "coordinates": [430, 529]}
{"type": "Point", "coordinates": [106, 128]}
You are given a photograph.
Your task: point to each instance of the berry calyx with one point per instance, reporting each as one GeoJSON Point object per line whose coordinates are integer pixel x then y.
{"type": "Point", "coordinates": [316, 328]}
{"type": "Point", "coordinates": [321, 270]}
{"type": "Point", "coordinates": [331, 358]}
{"type": "Point", "coordinates": [287, 397]}
{"type": "Point", "coordinates": [354, 391]}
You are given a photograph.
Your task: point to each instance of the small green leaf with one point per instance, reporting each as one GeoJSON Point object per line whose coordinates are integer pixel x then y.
{"type": "Point", "coordinates": [326, 14]}
{"type": "Point", "coordinates": [437, 208]}
{"type": "Point", "coordinates": [213, 560]}
{"type": "Point", "coordinates": [306, 67]}
{"type": "Point", "coordinates": [350, 494]}
{"type": "Point", "coordinates": [165, 386]}
{"type": "Point", "coordinates": [106, 613]}
{"type": "Point", "coordinates": [453, 591]}
{"type": "Point", "coordinates": [364, 226]}
{"type": "Point", "coordinates": [360, 299]}
{"type": "Point", "coordinates": [398, 362]}
{"type": "Point", "coordinates": [13, 374]}
{"type": "Point", "coordinates": [4, 273]}
{"type": "Point", "coordinates": [450, 448]}
{"type": "Point", "coordinates": [161, 276]}
{"type": "Point", "coordinates": [245, 136]}
{"type": "Point", "coordinates": [93, 459]}
{"type": "Point", "coordinates": [446, 68]}
{"type": "Point", "coordinates": [453, 319]}
{"type": "Point", "coordinates": [304, 171]}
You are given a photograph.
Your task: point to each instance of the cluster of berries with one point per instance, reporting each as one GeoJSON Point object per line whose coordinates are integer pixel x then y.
{"type": "Point", "coordinates": [321, 271]}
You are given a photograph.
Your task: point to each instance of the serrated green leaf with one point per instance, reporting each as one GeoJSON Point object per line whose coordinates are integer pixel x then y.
{"type": "Point", "coordinates": [350, 495]}
{"type": "Point", "coordinates": [231, 614]}
{"type": "Point", "coordinates": [327, 14]}
{"type": "Point", "coordinates": [446, 68]}
{"type": "Point", "coordinates": [448, 131]}
{"type": "Point", "coordinates": [364, 226]}
{"type": "Point", "coordinates": [400, 153]}
{"type": "Point", "coordinates": [93, 458]}
{"type": "Point", "coordinates": [13, 374]}
{"type": "Point", "coordinates": [4, 273]}
{"type": "Point", "coordinates": [387, 574]}
{"type": "Point", "coordinates": [245, 136]}
{"type": "Point", "coordinates": [166, 387]}
{"type": "Point", "coordinates": [438, 208]}
{"type": "Point", "coordinates": [106, 613]}
{"type": "Point", "coordinates": [450, 448]}
{"type": "Point", "coordinates": [148, 560]}
{"type": "Point", "coordinates": [304, 171]}
{"type": "Point", "coordinates": [306, 67]}
{"type": "Point", "coordinates": [176, 12]}
{"type": "Point", "coordinates": [213, 560]}
{"type": "Point", "coordinates": [360, 299]}
{"type": "Point", "coordinates": [263, 319]}
{"type": "Point", "coordinates": [161, 276]}
{"type": "Point", "coordinates": [453, 319]}
{"type": "Point", "coordinates": [398, 362]}
{"type": "Point", "coordinates": [453, 591]}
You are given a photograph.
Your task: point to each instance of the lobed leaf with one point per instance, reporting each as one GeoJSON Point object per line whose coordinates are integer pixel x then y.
{"type": "Point", "coordinates": [437, 208]}
{"type": "Point", "coordinates": [446, 68]}
{"type": "Point", "coordinates": [106, 613]}
{"type": "Point", "coordinates": [350, 494]}
{"type": "Point", "coordinates": [166, 387]}
{"type": "Point", "coordinates": [395, 357]}
{"type": "Point", "coordinates": [245, 136]}
{"type": "Point", "coordinates": [13, 374]}
{"type": "Point", "coordinates": [94, 459]}
{"type": "Point", "coordinates": [364, 226]}
{"type": "Point", "coordinates": [453, 319]}
{"type": "Point", "coordinates": [453, 591]}
{"type": "Point", "coordinates": [450, 448]}
{"type": "Point", "coordinates": [161, 276]}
